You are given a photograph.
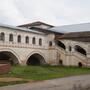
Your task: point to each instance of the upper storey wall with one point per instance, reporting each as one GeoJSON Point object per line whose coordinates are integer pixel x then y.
{"type": "Point", "coordinates": [23, 34]}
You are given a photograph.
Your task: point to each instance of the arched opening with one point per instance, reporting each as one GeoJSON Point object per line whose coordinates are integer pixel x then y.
{"type": "Point", "coordinates": [11, 37]}
{"type": "Point", "coordinates": [80, 64]}
{"type": "Point", "coordinates": [80, 50]}
{"type": "Point", "coordinates": [50, 43]}
{"type": "Point", "coordinates": [36, 59]}
{"type": "Point", "coordinates": [40, 42]}
{"type": "Point", "coordinates": [60, 44]}
{"type": "Point", "coordinates": [27, 39]}
{"type": "Point", "coordinates": [2, 36]}
{"type": "Point", "coordinates": [8, 57]}
{"type": "Point", "coordinates": [33, 40]}
{"type": "Point", "coordinates": [19, 39]}
{"type": "Point", "coordinates": [60, 62]}
{"type": "Point", "coordinates": [70, 48]}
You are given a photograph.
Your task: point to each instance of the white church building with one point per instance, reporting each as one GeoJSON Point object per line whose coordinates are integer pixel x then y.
{"type": "Point", "coordinates": [41, 44]}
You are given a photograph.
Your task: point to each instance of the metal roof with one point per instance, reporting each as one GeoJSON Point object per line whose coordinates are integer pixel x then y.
{"type": "Point", "coordinates": [19, 28]}
{"type": "Point", "coordinates": [72, 28]}
{"type": "Point", "coordinates": [35, 24]}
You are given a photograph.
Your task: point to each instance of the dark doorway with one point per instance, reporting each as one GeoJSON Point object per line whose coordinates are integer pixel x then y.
{"type": "Point", "coordinates": [8, 57]}
{"type": "Point", "coordinates": [36, 60]}
{"type": "Point", "coordinates": [60, 62]}
{"type": "Point", "coordinates": [33, 61]}
{"type": "Point", "coordinates": [80, 64]}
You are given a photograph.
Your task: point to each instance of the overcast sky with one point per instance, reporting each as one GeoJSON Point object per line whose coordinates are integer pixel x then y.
{"type": "Point", "coordinates": [55, 12]}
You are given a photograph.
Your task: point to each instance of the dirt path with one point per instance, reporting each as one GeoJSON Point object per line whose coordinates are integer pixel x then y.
{"type": "Point", "coordinates": [55, 84]}
{"type": "Point", "coordinates": [10, 79]}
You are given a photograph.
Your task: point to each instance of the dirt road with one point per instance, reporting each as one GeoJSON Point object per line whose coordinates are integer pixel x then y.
{"type": "Point", "coordinates": [55, 84]}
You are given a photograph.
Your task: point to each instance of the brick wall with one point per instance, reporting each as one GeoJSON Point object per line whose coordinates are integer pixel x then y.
{"type": "Point", "coordinates": [4, 68]}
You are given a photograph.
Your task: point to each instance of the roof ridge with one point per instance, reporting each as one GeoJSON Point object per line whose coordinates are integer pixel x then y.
{"type": "Point", "coordinates": [36, 22]}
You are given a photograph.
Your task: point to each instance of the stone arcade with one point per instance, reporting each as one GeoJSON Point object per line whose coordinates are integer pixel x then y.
{"type": "Point", "coordinates": [39, 44]}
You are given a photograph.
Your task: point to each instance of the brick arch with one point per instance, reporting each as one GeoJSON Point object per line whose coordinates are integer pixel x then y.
{"type": "Point", "coordinates": [12, 52]}
{"type": "Point", "coordinates": [37, 53]}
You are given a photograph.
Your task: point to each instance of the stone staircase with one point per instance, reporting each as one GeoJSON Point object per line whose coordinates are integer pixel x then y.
{"type": "Point", "coordinates": [76, 55]}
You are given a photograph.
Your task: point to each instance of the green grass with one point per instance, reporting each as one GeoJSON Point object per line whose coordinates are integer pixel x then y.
{"type": "Point", "coordinates": [37, 73]}
{"type": "Point", "coordinates": [44, 72]}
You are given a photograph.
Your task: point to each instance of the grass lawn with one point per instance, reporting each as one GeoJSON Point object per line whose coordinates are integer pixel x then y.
{"type": "Point", "coordinates": [36, 73]}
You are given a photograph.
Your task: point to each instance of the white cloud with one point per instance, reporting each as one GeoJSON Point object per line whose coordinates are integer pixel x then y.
{"type": "Point", "coordinates": [56, 12]}
{"type": "Point", "coordinates": [9, 14]}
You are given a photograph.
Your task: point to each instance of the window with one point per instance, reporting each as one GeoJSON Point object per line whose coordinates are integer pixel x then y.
{"type": "Point", "coordinates": [2, 36]}
{"type": "Point", "coordinates": [33, 40]}
{"type": "Point", "coordinates": [70, 49]}
{"type": "Point", "coordinates": [11, 37]}
{"type": "Point", "coordinates": [27, 39]}
{"type": "Point", "coordinates": [50, 43]}
{"type": "Point", "coordinates": [80, 50]}
{"type": "Point", "coordinates": [40, 42]}
{"type": "Point", "coordinates": [19, 39]}
{"type": "Point", "coordinates": [60, 44]}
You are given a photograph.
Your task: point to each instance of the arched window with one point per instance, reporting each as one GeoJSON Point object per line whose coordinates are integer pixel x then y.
{"type": "Point", "coordinates": [11, 37]}
{"type": "Point", "coordinates": [40, 42]}
{"type": "Point", "coordinates": [2, 36]}
{"type": "Point", "coordinates": [60, 44]}
{"type": "Point", "coordinates": [50, 43]}
{"type": "Point", "coordinates": [70, 48]}
{"type": "Point", "coordinates": [80, 50]}
{"type": "Point", "coordinates": [27, 39]}
{"type": "Point", "coordinates": [33, 40]}
{"type": "Point", "coordinates": [19, 38]}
